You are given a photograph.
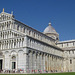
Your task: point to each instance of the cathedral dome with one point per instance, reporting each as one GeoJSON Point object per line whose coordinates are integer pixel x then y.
{"type": "Point", "coordinates": [51, 32]}
{"type": "Point", "coordinates": [50, 29]}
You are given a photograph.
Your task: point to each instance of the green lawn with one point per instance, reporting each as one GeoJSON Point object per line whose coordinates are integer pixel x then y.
{"type": "Point", "coordinates": [71, 73]}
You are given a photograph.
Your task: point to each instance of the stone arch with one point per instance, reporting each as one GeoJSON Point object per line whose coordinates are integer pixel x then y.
{"type": "Point", "coordinates": [13, 53]}
{"type": "Point", "coordinates": [20, 51]}
{"type": "Point", "coordinates": [6, 53]}
{"type": "Point", "coordinates": [13, 59]}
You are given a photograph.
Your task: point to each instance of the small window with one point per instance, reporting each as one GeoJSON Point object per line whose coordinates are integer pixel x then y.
{"type": "Point", "coordinates": [69, 52]}
{"type": "Point", "coordinates": [70, 61]}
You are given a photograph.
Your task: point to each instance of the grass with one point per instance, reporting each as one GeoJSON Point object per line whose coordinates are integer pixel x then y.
{"type": "Point", "coordinates": [69, 73]}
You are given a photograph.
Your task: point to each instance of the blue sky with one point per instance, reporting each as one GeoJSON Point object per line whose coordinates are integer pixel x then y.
{"type": "Point", "coordinates": [38, 13]}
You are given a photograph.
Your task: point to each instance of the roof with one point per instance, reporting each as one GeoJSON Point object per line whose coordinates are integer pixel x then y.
{"type": "Point", "coordinates": [67, 41]}
{"type": "Point", "coordinates": [50, 29]}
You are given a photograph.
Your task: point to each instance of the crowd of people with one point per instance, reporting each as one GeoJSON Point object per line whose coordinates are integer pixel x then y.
{"type": "Point", "coordinates": [28, 71]}
{"type": "Point", "coordinates": [10, 71]}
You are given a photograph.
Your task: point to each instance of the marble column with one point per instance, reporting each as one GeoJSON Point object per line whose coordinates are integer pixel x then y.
{"type": "Point", "coordinates": [29, 62]}
{"type": "Point", "coordinates": [49, 63]}
{"type": "Point", "coordinates": [38, 61]}
{"type": "Point", "coordinates": [44, 62]}
{"type": "Point", "coordinates": [52, 63]}
{"type": "Point", "coordinates": [34, 61]}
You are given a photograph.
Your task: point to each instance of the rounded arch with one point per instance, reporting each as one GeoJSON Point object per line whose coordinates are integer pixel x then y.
{"type": "Point", "coordinates": [13, 53]}
{"type": "Point", "coordinates": [20, 51]}
{"type": "Point", "coordinates": [6, 52]}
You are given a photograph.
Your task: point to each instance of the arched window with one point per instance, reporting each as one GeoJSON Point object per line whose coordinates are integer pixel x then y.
{"type": "Point", "coordinates": [13, 62]}
{"type": "Point", "coordinates": [70, 61]}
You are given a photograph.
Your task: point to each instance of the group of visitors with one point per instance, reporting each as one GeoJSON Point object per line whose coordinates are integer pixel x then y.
{"type": "Point", "coordinates": [10, 71]}
{"type": "Point", "coordinates": [28, 71]}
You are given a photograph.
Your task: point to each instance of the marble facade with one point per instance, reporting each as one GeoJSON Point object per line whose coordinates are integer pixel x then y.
{"type": "Point", "coordinates": [22, 47]}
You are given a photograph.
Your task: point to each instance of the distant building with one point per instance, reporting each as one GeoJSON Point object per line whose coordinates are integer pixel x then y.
{"type": "Point", "coordinates": [24, 48]}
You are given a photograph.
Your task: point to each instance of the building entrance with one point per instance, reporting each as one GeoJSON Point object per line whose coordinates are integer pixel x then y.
{"type": "Point", "coordinates": [13, 65]}
{"type": "Point", "coordinates": [0, 64]}
{"type": "Point", "coordinates": [13, 62]}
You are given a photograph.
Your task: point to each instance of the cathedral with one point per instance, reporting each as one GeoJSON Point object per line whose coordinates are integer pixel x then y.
{"type": "Point", "coordinates": [23, 48]}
